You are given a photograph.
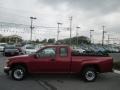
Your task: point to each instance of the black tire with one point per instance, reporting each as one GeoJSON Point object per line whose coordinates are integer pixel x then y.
{"type": "Point", "coordinates": [17, 71]}
{"type": "Point", "coordinates": [89, 74]}
{"type": "Point", "coordinates": [4, 54]}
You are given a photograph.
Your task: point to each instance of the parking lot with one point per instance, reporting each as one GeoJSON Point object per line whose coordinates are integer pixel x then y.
{"type": "Point", "coordinates": [108, 81]}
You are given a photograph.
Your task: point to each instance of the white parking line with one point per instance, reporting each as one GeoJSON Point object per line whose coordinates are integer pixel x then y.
{"type": "Point", "coordinates": [117, 71]}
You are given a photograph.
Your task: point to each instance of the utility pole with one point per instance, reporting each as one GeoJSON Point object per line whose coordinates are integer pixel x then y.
{"type": "Point", "coordinates": [58, 30]}
{"type": "Point", "coordinates": [31, 26]}
{"type": "Point", "coordinates": [91, 35]}
{"type": "Point", "coordinates": [108, 39]}
{"type": "Point", "coordinates": [0, 30]}
{"type": "Point", "coordinates": [77, 35]}
{"type": "Point", "coordinates": [103, 35]}
{"type": "Point", "coordinates": [70, 29]}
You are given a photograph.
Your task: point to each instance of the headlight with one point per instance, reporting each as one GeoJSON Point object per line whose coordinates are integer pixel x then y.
{"type": "Point", "coordinates": [7, 62]}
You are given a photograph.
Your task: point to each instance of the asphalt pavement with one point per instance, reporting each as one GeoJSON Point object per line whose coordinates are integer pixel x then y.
{"type": "Point", "coordinates": [107, 81]}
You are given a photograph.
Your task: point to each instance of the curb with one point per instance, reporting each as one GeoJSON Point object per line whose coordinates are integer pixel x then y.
{"type": "Point", "coordinates": [117, 71]}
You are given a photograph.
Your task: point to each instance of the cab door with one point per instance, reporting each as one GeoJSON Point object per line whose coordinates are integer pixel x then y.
{"type": "Point", "coordinates": [63, 60]}
{"type": "Point", "coordinates": [52, 60]}
{"type": "Point", "coordinates": [45, 61]}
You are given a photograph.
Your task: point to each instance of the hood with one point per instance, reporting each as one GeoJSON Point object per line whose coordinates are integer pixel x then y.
{"type": "Point", "coordinates": [30, 51]}
{"type": "Point", "coordinates": [18, 57]}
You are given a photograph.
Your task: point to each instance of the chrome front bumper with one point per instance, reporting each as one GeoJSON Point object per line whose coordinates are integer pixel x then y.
{"type": "Point", "coordinates": [6, 70]}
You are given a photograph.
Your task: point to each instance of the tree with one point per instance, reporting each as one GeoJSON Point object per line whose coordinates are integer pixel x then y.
{"type": "Point", "coordinates": [81, 39]}
{"type": "Point", "coordinates": [44, 41]}
{"type": "Point", "coordinates": [11, 39]}
{"type": "Point", "coordinates": [37, 41]}
{"type": "Point", "coordinates": [52, 40]}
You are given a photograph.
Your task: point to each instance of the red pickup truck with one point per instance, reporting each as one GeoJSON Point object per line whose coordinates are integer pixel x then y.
{"type": "Point", "coordinates": [58, 59]}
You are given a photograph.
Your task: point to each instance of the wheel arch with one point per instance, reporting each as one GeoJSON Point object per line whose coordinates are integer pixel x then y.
{"type": "Point", "coordinates": [95, 66]}
{"type": "Point", "coordinates": [19, 64]}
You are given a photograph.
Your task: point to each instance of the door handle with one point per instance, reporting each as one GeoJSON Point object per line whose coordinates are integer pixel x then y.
{"type": "Point", "coordinates": [52, 59]}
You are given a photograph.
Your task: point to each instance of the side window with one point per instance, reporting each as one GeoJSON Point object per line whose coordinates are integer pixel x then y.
{"type": "Point", "coordinates": [47, 52]}
{"type": "Point", "coordinates": [63, 52]}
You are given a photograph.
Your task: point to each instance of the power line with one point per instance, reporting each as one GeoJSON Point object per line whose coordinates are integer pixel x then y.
{"type": "Point", "coordinates": [7, 24]}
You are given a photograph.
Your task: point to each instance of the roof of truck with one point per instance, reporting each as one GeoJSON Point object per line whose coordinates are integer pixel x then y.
{"type": "Point", "coordinates": [57, 45]}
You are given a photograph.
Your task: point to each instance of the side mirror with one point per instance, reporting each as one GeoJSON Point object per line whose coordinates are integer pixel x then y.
{"type": "Point", "coordinates": [36, 55]}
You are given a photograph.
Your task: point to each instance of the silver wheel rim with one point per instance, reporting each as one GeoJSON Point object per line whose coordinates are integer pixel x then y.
{"type": "Point", "coordinates": [18, 74]}
{"type": "Point", "coordinates": [90, 75]}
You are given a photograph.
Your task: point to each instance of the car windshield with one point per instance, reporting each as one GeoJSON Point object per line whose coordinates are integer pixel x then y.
{"type": "Point", "coordinates": [10, 47]}
{"type": "Point", "coordinates": [30, 47]}
{"type": "Point", "coordinates": [2, 45]}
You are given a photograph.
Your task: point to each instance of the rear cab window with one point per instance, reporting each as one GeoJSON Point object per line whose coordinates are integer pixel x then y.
{"type": "Point", "coordinates": [63, 51]}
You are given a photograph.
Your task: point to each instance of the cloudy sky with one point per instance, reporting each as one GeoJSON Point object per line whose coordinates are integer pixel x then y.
{"type": "Point", "coordinates": [88, 14]}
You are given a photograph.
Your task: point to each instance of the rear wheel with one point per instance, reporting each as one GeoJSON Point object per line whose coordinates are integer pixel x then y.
{"type": "Point", "coordinates": [89, 74]}
{"type": "Point", "coordinates": [18, 72]}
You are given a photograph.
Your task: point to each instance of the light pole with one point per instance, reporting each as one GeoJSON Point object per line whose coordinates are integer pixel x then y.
{"type": "Point", "coordinates": [31, 26]}
{"type": "Point", "coordinates": [70, 29]}
{"type": "Point", "coordinates": [108, 39]}
{"type": "Point", "coordinates": [58, 30]}
{"type": "Point", "coordinates": [91, 35]}
{"type": "Point", "coordinates": [103, 35]}
{"type": "Point", "coordinates": [77, 35]}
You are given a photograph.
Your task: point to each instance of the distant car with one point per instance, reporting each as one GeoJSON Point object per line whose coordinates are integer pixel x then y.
{"type": "Point", "coordinates": [87, 49]}
{"type": "Point", "coordinates": [108, 49]}
{"type": "Point", "coordinates": [28, 49]}
{"type": "Point", "coordinates": [2, 45]}
{"type": "Point", "coordinates": [38, 46]}
{"type": "Point", "coordinates": [115, 50]}
{"type": "Point", "coordinates": [10, 50]}
{"type": "Point", "coordinates": [79, 50]}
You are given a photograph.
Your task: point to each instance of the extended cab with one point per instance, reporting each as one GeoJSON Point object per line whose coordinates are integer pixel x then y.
{"type": "Point", "coordinates": [58, 59]}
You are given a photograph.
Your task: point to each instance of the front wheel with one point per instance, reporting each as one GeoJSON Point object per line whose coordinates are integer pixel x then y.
{"type": "Point", "coordinates": [18, 73]}
{"type": "Point", "coordinates": [89, 74]}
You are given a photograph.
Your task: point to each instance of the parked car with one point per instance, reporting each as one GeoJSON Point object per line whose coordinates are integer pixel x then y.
{"type": "Point", "coordinates": [10, 50]}
{"type": "Point", "coordinates": [58, 59]}
{"type": "Point", "coordinates": [2, 45]}
{"type": "Point", "coordinates": [19, 47]}
{"type": "Point", "coordinates": [28, 49]}
{"type": "Point", "coordinates": [87, 49]}
{"type": "Point", "coordinates": [38, 46]}
{"type": "Point", "coordinates": [79, 50]}
{"type": "Point", "coordinates": [115, 50]}
{"type": "Point", "coordinates": [97, 50]}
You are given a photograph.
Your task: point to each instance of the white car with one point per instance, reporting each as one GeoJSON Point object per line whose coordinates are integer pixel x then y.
{"type": "Point", "coordinates": [28, 49]}
{"type": "Point", "coordinates": [79, 50]}
{"type": "Point", "coordinates": [2, 45]}
{"type": "Point", "coordinates": [38, 46]}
